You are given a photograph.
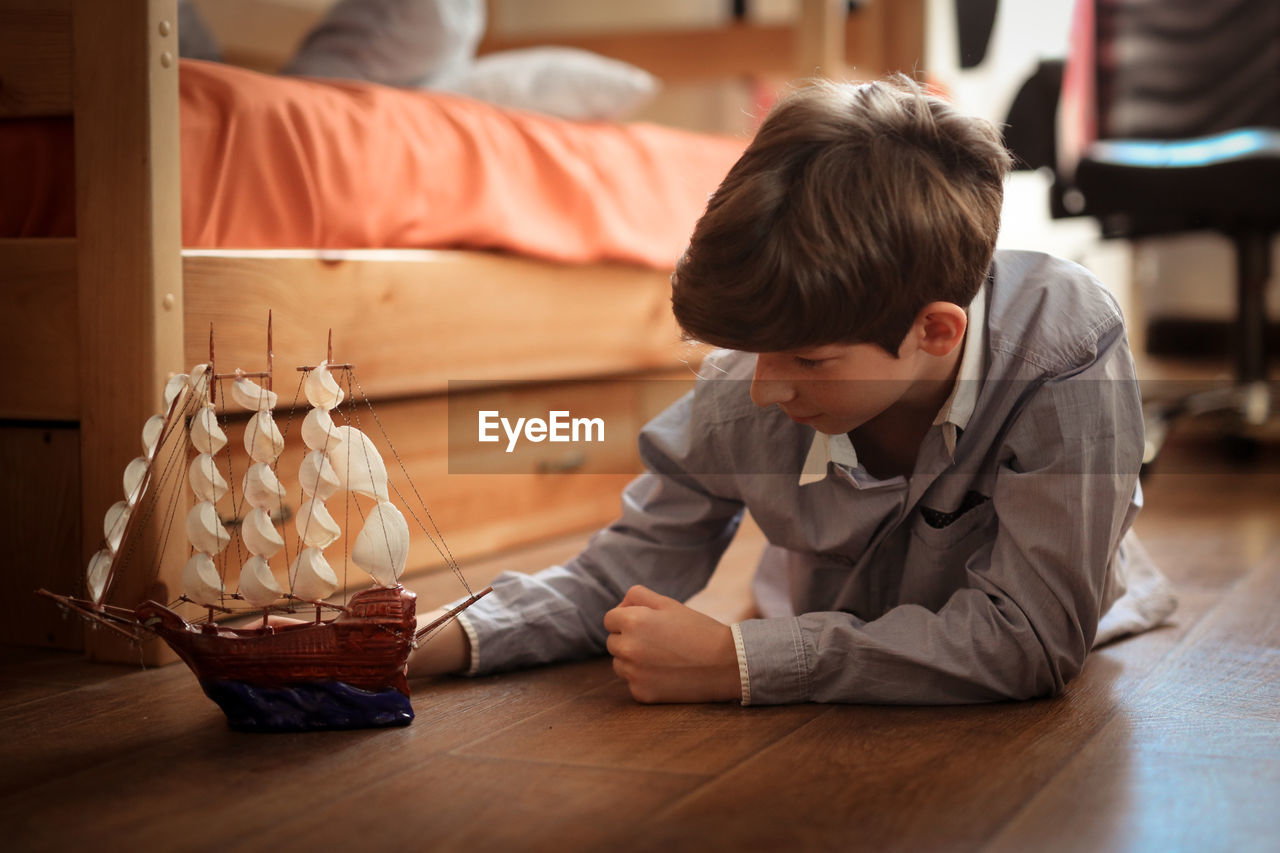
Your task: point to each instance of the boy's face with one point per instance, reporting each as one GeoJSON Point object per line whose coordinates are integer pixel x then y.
{"type": "Point", "coordinates": [834, 388]}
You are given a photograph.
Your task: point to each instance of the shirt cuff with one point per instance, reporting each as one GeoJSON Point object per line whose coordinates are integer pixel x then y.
{"type": "Point", "coordinates": [773, 655]}
{"type": "Point", "coordinates": [743, 675]}
{"type": "Point", "coordinates": [473, 640]}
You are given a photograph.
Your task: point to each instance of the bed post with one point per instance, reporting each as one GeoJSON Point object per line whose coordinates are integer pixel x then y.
{"type": "Point", "coordinates": [129, 280]}
{"type": "Point", "coordinates": [820, 36]}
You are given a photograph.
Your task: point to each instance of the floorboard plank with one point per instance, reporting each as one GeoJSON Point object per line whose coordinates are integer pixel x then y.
{"type": "Point", "coordinates": [1194, 763]}
{"type": "Point", "coordinates": [181, 762]}
{"type": "Point", "coordinates": [605, 728]}
{"type": "Point", "coordinates": [28, 674]}
{"type": "Point", "coordinates": [887, 778]}
{"type": "Point", "coordinates": [92, 726]}
{"type": "Point", "coordinates": [462, 802]}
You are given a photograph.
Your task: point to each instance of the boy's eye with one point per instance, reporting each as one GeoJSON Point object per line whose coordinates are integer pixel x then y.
{"type": "Point", "coordinates": [809, 362]}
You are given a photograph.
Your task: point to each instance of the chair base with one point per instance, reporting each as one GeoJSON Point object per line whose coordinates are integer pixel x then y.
{"type": "Point", "coordinates": [1249, 405]}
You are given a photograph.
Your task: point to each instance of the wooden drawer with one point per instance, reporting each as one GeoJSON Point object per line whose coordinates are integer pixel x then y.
{"type": "Point", "coordinates": [414, 320]}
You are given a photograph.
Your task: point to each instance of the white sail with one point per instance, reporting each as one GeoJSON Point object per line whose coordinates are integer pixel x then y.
{"type": "Point", "coordinates": [175, 386]}
{"type": "Point", "coordinates": [316, 475]}
{"type": "Point", "coordinates": [382, 548]}
{"type": "Point", "coordinates": [316, 527]}
{"type": "Point", "coordinates": [204, 529]}
{"type": "Point", "coordinates": [200, 580]}
{"type": "Point", "coordinates": [114, 523]}
{"type": "Point", "coordinates": [134, 475]}
{"type": "Point", "coordinates": [359, 465]}
{"type": "Point", "coordinates": [321, 390]}
{"type": "Point", "coordinates": [206, 435]}
{"type": "Point", "coordinates": [198, 380]}
{"type": "Point", "coordinates": [96, 576]}
{"type": "Point", "coordinates": [116, 519]}
{"type": "Point", "coordinates": [252, 396]}
{"type": "Point", "coordinates": [318, 431]}
{"type": "Point", "coordinates": [311, 576]}
{"type": "Point", "coordinates": [207, 482]}
{"type": "Point", "coordinates": [151, 432]}
{"type": "Point", "coordinates": [262, 438]}
{"type": "Point", "coordinates": [262, 488]}
{"type": "Point", "coordinates": [260, 535]}
{"type": "Point", "coordinates": [258, 585]}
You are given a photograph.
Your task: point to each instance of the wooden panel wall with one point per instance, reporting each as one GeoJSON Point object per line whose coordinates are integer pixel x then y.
{"type": "Point", "coordinates": [40, 526]}
{"type": "Point", "coordinates": [39, 441]}
{"type": "Point", "coordinates": [38, 327]}
{"type": "Point", "coordinates": [35, 57]}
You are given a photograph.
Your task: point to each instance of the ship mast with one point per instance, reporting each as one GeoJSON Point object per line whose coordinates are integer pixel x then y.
{"type": "Point", "coordinates": [343, 457]}
{"type": "Point", "coordinates": [201, 581]}
{"type": "Point", "coordinates": [310, 575]}
{"type": "Point", "coordinates": [264, 444]}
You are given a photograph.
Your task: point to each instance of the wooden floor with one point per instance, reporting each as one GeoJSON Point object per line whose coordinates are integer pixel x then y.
{"type": "Point", "coordinates": [1168, 741]}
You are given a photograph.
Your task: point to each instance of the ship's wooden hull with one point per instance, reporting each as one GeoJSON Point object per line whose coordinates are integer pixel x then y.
{"type": "Point", "coordinates": [287, 678]}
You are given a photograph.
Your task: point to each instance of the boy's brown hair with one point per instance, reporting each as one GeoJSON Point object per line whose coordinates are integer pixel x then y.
{"type": "Point", "coordinates": [853, 208]}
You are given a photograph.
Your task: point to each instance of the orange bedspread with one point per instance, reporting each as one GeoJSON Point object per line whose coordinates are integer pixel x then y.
{"type": "Point", "coordinates": [277, 162]}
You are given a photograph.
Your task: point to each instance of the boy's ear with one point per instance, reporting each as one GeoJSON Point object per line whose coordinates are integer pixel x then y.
{"type": "Point", "coordinates": [940, 327]}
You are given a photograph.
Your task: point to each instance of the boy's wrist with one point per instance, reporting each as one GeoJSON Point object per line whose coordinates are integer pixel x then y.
{"type": "Point", "coordinates": [447, 651]}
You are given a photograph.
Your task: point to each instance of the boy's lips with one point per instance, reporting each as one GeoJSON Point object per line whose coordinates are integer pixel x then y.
{"type": "Point", "coordinates": [802, 419]}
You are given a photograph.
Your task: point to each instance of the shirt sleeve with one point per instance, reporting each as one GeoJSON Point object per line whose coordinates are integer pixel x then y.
{"type": "Point", "coordinates": [676, 521]}
{"type": "Point", "coordinates": [1023, 620]}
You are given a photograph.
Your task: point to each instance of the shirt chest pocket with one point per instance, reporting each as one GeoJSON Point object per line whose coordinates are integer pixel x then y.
{"type": "Point", "coordinates": [941, 530]}
{"type": "Point", "coordinates": [938, 557]}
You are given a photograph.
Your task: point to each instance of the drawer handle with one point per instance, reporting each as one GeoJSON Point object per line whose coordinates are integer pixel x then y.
{"type": "Point", "coordinates": [566, 464]}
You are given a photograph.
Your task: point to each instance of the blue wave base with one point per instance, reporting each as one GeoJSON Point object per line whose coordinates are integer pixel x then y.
{"type": "Point", "coordinates": [314, 706]}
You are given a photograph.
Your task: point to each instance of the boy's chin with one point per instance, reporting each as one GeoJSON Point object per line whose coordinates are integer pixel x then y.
{"type": "Point", "coordinates": [829, 424]}
{"type": "Point", "coordinates": [833, 426]}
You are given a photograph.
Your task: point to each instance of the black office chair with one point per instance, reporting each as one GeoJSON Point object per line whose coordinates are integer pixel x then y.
{"type": "Point", "coordinates": [1185, 97]}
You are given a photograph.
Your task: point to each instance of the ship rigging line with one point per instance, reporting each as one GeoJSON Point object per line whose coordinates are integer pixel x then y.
{"type": "Point", "coordinates": [235, 510]}
{"type": "Point", "coordinates": [355, 416]}
{"type": "Point", "coordinates": [275, 469]}
{"type": "Point", "coordinates": [153, 486]}
{"type": "Point", "coordinates": [175, 497]}
{"type": "Point", "coordinates": [445, 554]}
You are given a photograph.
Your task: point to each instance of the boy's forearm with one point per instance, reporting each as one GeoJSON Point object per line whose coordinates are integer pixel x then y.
{"type": "Point", "coordinates": [447, 651]}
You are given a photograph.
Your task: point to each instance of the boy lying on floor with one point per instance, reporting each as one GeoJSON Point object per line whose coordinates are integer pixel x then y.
{"type": "Point", "coordinates": [940, 442]}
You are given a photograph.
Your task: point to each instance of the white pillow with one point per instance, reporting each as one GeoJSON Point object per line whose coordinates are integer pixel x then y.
{"type": "Point", "coordinates": [561, 81]}
{"type": "Point", "coordinates": [393, 42]}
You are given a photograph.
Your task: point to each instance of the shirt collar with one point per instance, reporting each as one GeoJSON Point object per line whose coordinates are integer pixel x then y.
{"type": "Point", "coordinates": [953, 417]}
{"type": "Point", "coordinates": [826, 449]}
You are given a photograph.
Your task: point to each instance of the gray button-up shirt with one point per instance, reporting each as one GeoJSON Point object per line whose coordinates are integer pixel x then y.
{"type": "Point", "coordinates": [981, 576]}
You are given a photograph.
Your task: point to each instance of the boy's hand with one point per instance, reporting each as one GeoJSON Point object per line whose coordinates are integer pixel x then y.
{"type": "Point", "coordinates": [667, 652]}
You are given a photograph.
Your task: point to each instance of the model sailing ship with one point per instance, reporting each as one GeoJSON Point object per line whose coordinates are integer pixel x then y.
{"type": "Point", "coordinates": [342, 672]}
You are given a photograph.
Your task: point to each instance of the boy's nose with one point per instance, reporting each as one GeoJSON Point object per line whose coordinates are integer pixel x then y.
{"type": "Point", "coordinates": [766, 388]}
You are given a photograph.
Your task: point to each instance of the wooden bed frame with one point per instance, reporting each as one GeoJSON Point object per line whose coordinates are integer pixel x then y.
{"type": "Point", "coordinates": [96, 323]}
